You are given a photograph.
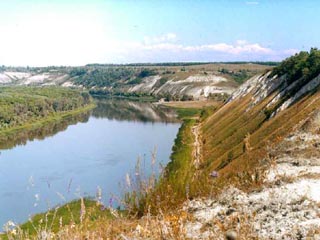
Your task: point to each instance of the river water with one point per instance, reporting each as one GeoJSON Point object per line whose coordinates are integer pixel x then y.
{"type": "Point", "coordinates": [46, 166]}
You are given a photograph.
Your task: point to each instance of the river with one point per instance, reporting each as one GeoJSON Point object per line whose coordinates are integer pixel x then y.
{"type": "Point", "coordinates": [50, 165]}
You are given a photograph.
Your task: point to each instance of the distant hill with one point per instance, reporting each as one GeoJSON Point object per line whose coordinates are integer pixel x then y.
{"type": "Point", "coordinates": [175, 64]}
{"type": "Point", "coordinates": [173, 81]}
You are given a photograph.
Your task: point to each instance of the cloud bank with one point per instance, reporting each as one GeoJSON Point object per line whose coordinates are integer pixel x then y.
{"type": "Point", "coordinates": [167, 48]}
{"type": "Point", "coordinates": [45, 43]}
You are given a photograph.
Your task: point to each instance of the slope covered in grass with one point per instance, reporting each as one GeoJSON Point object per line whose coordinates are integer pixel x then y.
{"type": "Point", "coordinates": [237, 137]}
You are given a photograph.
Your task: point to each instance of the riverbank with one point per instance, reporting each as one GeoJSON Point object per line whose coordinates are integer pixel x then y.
{"type": "Point", "coordinates": [177, 184]}
{"type": "Point", "coordinates": [129, 97]}
{"type": "Point", "coordinates": [21, 106]}
{"type": "Point", "coordinates": [72, 213]}
{"type": "Point", "coordinates": [36, 123]}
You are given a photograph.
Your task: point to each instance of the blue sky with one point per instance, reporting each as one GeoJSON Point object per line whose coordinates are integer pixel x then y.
{"type": "Point", "coordinates": [40, 33]}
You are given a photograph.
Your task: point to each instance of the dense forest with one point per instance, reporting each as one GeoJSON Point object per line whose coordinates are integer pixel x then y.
{"type": "Point", "coordinates": [19, 105]}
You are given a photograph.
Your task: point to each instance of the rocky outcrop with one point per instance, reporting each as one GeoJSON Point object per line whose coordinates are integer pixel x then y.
{"type": "Point", "coordinates": [287, 207]}
{"type": "Point", "coordinates": [28, 78]}
{"type": "Point", "coordinates": [147, 85]}
{"type": "Point", "coordinates": [265, 85]}
{"type": "Point", "coordinates": [197, 85]}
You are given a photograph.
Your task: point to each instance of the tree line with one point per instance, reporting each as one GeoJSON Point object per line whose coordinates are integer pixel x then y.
{"type": "Point", "coordinates": [20, 105]}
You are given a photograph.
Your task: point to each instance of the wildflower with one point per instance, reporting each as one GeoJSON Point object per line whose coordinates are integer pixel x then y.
{"type": "Point", "coordinates": [214, 174]}
{"type": "Point", "coordinates": [110, 202]}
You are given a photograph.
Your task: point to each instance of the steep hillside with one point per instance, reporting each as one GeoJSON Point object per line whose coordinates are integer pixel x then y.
{"type": "Point", "coordinates": [260, 158]}
{"type": "Point", "coordinates": [173, 82]}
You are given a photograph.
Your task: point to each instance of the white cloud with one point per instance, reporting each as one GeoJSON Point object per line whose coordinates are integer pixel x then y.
{"type": "Point", "coordinates": [53, 35]}
{"type": "Point", "coordinates": [80, 38]}
{"type": "Point", "coordinates": [241, 46]}
{"type": "Point", "coordinates": [161, 49]}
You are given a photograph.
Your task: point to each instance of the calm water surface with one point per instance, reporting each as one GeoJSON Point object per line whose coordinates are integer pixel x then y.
{"type": "Point", "coordinates": [73, 160]}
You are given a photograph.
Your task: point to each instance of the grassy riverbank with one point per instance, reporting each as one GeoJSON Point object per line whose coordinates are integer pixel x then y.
{"type": "Point", "coordinates": [177, 183]}
{"type": "Point", "coordinates": [48, 119]}
{"type": "Point", "coordinates": [22, 105]}
{"type": "Point", "coordinates": [81, 213]}
{"type": "Point", "coordinates": [31, 107]}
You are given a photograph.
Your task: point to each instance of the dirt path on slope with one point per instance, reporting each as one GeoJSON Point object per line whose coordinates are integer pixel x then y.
{"type": "Point", "coordinates": [196, 154]}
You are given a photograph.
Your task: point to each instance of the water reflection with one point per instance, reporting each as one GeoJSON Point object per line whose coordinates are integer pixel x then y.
{"type": "Point", "coordinates": [22, 136]}
{"type": "Point", "coordinates": [120, 110]}
{"type": "Point", "coordinates": [133, 111]}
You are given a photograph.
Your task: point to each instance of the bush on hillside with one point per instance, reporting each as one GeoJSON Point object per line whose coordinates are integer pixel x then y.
{"type": "Point", "coordinates": [305, 65]}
